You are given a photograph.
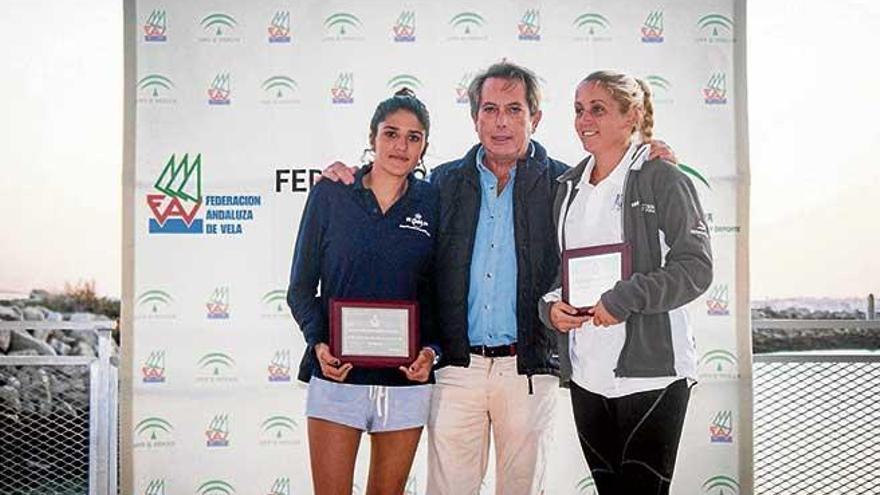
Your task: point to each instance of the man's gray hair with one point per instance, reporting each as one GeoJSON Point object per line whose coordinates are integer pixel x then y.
{"type": "Point", "coordinates": [509, 72]}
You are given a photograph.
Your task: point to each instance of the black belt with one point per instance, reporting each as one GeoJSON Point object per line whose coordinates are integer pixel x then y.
{"type": "Point", "coordinates": [492, 352]}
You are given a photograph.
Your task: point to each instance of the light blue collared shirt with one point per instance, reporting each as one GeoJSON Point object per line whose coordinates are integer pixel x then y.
{"type": "Point", "coordinates": [492, 294]}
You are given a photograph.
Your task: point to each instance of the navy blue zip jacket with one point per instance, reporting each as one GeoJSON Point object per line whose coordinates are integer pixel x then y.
{"type": "Point", "coordinates": [537, 256]}
{"type": "Point", "coordinates": [355, 251]}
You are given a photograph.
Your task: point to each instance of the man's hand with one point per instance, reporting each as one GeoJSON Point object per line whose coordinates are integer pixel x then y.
{"type": "Point", "coordinates": [339, 172]}
{"type": "Point", "coordinates": [419, 369]}
{"type": "Point", "coordinates": [660, 150]}
{"type": "Point", "coordinates": [564, 317]}
{"type": "Point", "coordinates": [601, 316]}
{"type": "Point", "coordinates": [330, 365]}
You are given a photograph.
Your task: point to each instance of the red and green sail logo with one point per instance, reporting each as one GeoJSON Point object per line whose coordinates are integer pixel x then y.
{"type": "Point", "coordinates": [153, 369]}
{"type": "Point", "coordinates": [279, 367]}
{"type": "Point", "coordinates": [343, 90]}
{"type": "Point", "coordinates": [405, 27]}
{"type": "Point", "coordinates": [461, 89]}
{"type": "Point", "coordinates": [155, 487]}
{"type": "Point", "coordinates": [652, 29]}
{"type": "Point", "coordinates": [721, 427]}
{"type": "Point", "coordinates": [281, 486]}
{"type": "Point", "coordinates": [718, 301]}
{"type": "Point", "coordinates": [279, 27]}
{"type": "Point", "coordinates": [715, 92]}
{"type": "Point", "coordinates": [530, 26]}
{"type": "Point", "coordinates": [179, 197]}
{"type": "Point", "coordinates": [217, 432]}
{"type": "Point", "coordinates": [154, 28]}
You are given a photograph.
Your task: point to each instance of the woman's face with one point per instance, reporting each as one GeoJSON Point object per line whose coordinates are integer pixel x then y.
{"type": "Point", "coordinates": [599, 123]}
{"type": "Point", "coordinates": [399, 143]}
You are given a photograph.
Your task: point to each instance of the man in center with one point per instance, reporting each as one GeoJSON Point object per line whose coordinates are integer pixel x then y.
{"type": "Point", "coordinates": [496, 253]}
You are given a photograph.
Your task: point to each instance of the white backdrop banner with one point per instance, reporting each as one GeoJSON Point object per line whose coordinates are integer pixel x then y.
{"type": "Point", "coordinates": [237, 105]}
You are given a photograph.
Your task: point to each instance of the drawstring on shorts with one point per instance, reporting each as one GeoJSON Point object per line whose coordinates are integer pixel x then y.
{"type": "Point", "coordinates": [379, 394]}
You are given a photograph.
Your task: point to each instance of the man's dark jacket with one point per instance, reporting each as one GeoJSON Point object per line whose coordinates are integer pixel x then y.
{"type": "Point", "coordinates": [537, 255]}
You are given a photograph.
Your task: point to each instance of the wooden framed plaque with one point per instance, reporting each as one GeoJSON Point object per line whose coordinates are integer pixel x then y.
{"type": "Point", "coordinates": [588, 272]}
{"type": "Point", "coordinates": [374, 333]}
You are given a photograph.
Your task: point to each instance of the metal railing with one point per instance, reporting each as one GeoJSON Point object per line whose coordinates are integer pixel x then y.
{"type": "Point", "coordinates": [58, 417]}
{"type": "Point", "coordinates": [816, 419]}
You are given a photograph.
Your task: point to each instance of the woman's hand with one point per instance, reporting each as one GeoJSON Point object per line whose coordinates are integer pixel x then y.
{"type": "Point", "coordinates": [330, 366]}
{"type": "Point", "coordinates": [661, 150]}
{"type": "Point", "coordinates": [420, 369]}
{"type": "Point", "coordinates": [601, 316]}
{"type": "Point", "coordinates": [564, 317]}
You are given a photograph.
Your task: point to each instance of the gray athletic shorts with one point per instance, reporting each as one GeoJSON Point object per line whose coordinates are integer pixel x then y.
{"type": "Point", "coordinates": [371, 408]}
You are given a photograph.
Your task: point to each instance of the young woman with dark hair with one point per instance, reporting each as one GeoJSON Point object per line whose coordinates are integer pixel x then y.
{"type": "Point", "coordinates": [374, 240]}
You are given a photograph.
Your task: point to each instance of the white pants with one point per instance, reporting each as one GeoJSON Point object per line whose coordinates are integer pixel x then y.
{"type": "Point", "coordinates": [466, 403]}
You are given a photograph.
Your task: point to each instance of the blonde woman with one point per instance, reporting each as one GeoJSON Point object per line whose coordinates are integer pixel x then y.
{"type": "Point", "coordinates": [631, 361]}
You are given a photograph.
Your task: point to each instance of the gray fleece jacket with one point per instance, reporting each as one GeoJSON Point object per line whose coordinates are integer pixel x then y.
{"type": "Point", "coordinates": [658, 197]}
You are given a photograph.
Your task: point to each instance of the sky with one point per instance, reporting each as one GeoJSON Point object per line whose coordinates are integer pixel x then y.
{"type": "Point", "coordinates": [814, 136]}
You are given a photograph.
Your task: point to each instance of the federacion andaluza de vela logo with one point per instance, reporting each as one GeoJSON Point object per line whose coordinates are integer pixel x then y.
{"type": "Point", "coordinates": [530, 26]}
{"type": "Point", "coordinates": [155, 487]}
{"type": "Point", "coordinates": [155, 26]}
{"type": "Point", "coordinates": [721, 427]}
{"type": "Point", "coordinates": [405, 27]}
{"type": "Point", "coordinates": [218, 304]}
{"type": "Point", "coordinates": [461, 89]}
{"type": "Point", "coordinates": [217, 432]}
{"type": "Point", "coordinates": [153, 369]}
{"type": "Point", "coordinates": [279, 27]}
{"type": "Point", "coordinates": [718, 301]}
{"type": "Point", "coordinates": [715, 92]}
{"type": "Point", "coordinates": [219, 92]}
{"type": "Point", "coordinates": [279, 367]}
{"type": "Point", "coordinates": [343, 89]}
{"type": "Point", "coordinates": [179, 199]}
{"type": "Point", "coordinates": [177, 206]}
{"type": "Point", "coordinates": [652, 29]}
{"type": "Point", "coordinates": [281, 486]}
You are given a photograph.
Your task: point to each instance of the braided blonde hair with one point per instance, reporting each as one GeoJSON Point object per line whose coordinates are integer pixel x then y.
{"type": "Point", "coordinates": [629, 92]}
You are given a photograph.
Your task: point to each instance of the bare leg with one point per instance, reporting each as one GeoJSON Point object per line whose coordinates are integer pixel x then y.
{"type": "Point", "coordinates": [391, 458]}
{"type": "Point", "coordinates": [332, 448]}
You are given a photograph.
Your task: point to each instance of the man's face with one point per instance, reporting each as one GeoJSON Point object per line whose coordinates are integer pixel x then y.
{"type": "Point", "coordinates": [504, 122]}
